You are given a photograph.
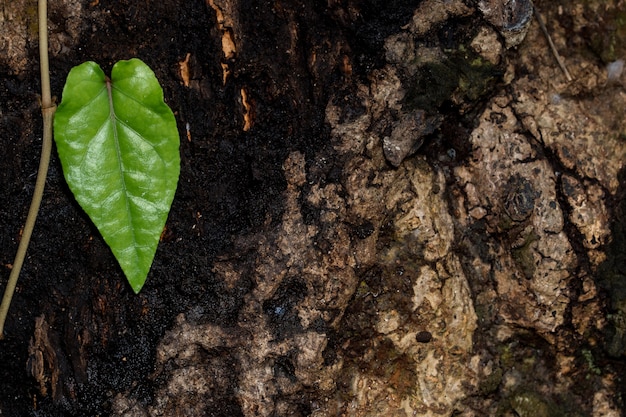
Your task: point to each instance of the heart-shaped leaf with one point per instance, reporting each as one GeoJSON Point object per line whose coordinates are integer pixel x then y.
{"type": "Point", "coordinates": [119, 148]}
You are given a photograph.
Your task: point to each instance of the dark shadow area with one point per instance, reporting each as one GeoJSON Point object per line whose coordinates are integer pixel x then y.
{"type": "Point", "coordinates": [611, 278]}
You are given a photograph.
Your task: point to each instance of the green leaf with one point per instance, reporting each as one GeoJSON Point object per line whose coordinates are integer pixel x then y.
{"type": "Point", "coordinates": [119, 148]}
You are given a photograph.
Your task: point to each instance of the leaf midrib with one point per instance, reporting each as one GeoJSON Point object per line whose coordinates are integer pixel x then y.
{"type": "Point", "coordinates": [113, 118]}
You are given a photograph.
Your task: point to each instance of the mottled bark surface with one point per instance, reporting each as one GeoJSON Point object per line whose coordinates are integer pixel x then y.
{"type": "Point", "coordinates": [385, 209]}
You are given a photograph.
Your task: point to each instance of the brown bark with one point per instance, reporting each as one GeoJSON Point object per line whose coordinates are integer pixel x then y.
{"type": "Point", "coordinates": [385, 208]}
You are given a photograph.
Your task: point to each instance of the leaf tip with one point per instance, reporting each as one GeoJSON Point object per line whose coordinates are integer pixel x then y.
{"type": "Point", "coordinates": [137, 287]}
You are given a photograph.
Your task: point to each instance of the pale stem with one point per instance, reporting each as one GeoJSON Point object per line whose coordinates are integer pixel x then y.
{"type": "Point", "coordinates": [47, 109]}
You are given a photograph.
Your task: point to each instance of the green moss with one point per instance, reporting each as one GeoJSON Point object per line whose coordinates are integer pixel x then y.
{"type": "Point", "coordinates": [477, 76]}
{"type": "Point", "coordinates": [523, 255]}
{"type": "Point", "coordinates": [593, 368]}
{"type": "Point", "coordinates": [363, 289]}
{"type": "Point", "coordinates": [506, 223]}
{"type": "Point", "coordinates": [433, 85]}
{"type": "Point", "coordinates": [31, 13]}
{"type": "Point", "coordinates": [507, 358]}
{"type": "Point", "coordinates": [531, 404]}
{"type": "Point", "coordinates": [491, 383]}
{"type": "Point", "coordinates": [608, 35]}
{"type": "Point", "coordinates": [462, 75]}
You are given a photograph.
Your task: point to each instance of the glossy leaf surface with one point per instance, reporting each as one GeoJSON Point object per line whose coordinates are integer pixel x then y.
{"type": "Point", "coordinates": [119, 148]}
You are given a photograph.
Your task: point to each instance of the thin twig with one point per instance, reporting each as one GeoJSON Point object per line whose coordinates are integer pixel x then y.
{"type": "Point", "coordinates": [47, 109]}
{"type": "Point", "coordinates": [559, 60]}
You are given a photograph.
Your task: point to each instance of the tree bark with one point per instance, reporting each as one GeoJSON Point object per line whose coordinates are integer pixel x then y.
{"type": "Point", "coordinates": [385, 208]}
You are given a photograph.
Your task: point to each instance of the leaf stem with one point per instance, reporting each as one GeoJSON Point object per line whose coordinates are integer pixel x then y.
{"type": "Point", "coordinates": [47, 109]}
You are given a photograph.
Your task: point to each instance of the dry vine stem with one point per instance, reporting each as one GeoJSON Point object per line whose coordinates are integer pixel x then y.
{"type": "Point", "coordinates": [559, 60]}
{"type": "Point", "coordinates": [47, 109]}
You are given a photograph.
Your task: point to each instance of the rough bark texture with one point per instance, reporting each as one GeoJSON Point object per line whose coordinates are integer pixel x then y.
{"type": "Point", "coordinates": [386, 208]}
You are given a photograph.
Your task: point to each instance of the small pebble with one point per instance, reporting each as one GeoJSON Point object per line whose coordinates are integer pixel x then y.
{"type": "Point", "coordinates": [424, 337]}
